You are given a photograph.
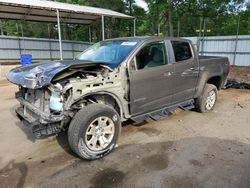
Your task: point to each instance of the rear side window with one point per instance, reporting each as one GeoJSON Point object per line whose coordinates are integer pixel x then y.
{"type": "Point", "coordinates": [182, 50]}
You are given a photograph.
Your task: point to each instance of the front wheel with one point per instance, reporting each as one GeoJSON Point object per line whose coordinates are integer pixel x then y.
{"type": "Point", "coordinates": [207, 100]}
{"type": "Point", "coordinates": [94, 131]}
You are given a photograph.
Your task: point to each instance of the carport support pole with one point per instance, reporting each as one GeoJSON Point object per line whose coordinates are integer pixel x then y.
{"type": "Point", "coordinates": [236, 41]}
{"type": "Point", "coordinates": [90, 36]}
{"type": "Point", "coordinates": [59, 33]}
{"type": "Point", "coordinates": [103, 32]}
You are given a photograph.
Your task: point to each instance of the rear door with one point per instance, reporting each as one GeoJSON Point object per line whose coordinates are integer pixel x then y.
{"type": "Point", "coordinates": [185, 71]}
{"type": "Point", "coordinates": [151, 78]}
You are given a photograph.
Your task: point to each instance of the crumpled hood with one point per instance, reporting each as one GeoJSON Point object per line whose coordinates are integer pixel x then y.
{"type": "Point", "coordinates": [39, 75]}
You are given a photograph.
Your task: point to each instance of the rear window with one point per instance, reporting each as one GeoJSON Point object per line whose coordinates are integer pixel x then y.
{"type": "Point", "coordinates": [182, 50]}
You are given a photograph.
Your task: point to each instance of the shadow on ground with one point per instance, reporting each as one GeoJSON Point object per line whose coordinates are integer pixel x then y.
{"type": "Point", "coordinates": [190, 162]}
{"type": "Point", "coordinates": [62, 140]}
{"type": "Point", "coordinates": [13, 174]}
{"type": "Point", "coordinates": [24, 126]}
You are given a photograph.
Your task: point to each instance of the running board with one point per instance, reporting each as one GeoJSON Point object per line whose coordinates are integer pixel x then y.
{"type": "Point", "coordinates": [164, 112]}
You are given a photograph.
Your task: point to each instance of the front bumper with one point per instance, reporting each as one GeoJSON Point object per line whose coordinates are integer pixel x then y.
{"type": "Point", "coordinates": [35, 115]}
{"type": "Point", "coordinates": [22, 116]}
{"type": "Point", "coordinates": [44, 125]}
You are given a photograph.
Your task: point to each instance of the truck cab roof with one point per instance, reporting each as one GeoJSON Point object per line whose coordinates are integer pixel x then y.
{"type": "Point", "coordinates": [148, 38]}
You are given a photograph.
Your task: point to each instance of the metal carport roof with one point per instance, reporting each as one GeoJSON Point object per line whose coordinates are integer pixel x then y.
{"type": "Point", "coordinates": [50, 11]}
{"type": "Point", "coordinates": [45, 11]}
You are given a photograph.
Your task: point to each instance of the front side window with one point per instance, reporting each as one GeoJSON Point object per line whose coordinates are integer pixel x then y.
{"type": "Point", "coordinates": [151, 55]}
{"type": "Point", "coordinates": [111, 52]}
{"type": "Point", "coordinates": [182, 50]}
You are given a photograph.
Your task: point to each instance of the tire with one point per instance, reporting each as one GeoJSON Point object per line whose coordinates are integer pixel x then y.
{"type": "Point", "coordinates": [204, 103]}
{"type": "Point", "coordinates": [89, 127]}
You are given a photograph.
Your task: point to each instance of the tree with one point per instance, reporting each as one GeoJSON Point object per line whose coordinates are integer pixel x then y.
{"type": "Point", "coordinates": [169, 18]}
{"type": "Point", "coordinates": [185, 17]}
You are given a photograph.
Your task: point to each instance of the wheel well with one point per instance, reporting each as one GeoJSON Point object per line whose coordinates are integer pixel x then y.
{"type": "Point", "coordinates": [216, 80]}
{"type": "Point", "coordinates": [105, 99]}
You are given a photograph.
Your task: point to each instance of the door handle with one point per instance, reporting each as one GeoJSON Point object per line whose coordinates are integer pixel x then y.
{"type": "Point", "coordinates": [168, 73]}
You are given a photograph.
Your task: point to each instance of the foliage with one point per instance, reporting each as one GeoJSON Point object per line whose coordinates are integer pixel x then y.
{"type": "Point", "coordinates": [172, 17]}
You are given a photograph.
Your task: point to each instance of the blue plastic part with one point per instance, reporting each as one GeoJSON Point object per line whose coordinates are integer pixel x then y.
{"type": "Point", "coordinates": [26, 59]}
{"type": "Point", "coordinates": [55, 103]}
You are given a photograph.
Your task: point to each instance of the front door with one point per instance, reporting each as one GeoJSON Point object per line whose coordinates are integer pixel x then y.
{"type": "Point", "coordinates": [150, 79]}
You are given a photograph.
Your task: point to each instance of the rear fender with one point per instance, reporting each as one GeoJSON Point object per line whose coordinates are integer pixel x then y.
{"type": "Point", "coordinates": [205, 76]}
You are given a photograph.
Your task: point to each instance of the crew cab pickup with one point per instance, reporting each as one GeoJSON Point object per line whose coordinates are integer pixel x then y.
{"type": "Point", "coordinates": [113, 81]}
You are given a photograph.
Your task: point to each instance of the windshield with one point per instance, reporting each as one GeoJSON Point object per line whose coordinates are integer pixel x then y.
{"type": "Point", "coordinates": [110, 52]}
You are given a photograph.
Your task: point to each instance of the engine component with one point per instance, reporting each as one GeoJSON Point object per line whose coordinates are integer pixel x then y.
{"type": "Point", "coordinates": [56, 99]}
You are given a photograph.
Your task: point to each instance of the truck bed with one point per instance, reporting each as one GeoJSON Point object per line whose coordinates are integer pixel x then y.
{"type": "Point", "coordinates": [216, 65]}
{"type": "Point", "coordinates": [212, 62]}
{"type": "Point", "coordinates": [212, 58]}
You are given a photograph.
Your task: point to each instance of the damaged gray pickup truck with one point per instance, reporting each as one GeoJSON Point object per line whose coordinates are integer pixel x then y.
{"type": "Point", "coordinates": [114, 81]}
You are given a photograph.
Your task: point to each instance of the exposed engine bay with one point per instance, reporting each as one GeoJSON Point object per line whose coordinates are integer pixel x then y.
{"type": "Point", "coordinates": [49, 109]}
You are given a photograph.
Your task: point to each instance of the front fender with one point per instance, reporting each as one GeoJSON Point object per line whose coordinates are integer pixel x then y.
{"type": "Point", "coordinates": [121, 104]}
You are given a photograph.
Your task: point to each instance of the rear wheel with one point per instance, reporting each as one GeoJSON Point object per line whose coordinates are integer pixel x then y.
{"type": "Point", "coordinates": [207, 100]}
{"type": "Point", "coordinates": [94, 131]}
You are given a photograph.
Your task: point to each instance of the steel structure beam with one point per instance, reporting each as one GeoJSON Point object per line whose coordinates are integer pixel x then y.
{"type": "Point", "coordinates": [103, 28]}
{"type": "Point", "coordinates": [59, 33]}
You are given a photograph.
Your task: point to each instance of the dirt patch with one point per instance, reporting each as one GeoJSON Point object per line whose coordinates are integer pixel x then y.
{"type": "Point", "coordinates": [240, 74]}
{"type": "Point", "coordinates": [196, 163]}
{"type": "Point", "coordinates": [150, 131]}
{"type": "Point", "coordinates": [156, 162]}
{"type": "Point", "coordinates": [180, 182]}
{"type": "Point", "coordinates": [107, 178]}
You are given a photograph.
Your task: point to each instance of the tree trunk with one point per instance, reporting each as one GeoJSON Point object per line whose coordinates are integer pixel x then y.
{"type": "Point", "coordinates": [1, 27]}
{"type": "Point", "coordinates": [130, 13]}
{"type": "Point", "coordinates": [170, 24]}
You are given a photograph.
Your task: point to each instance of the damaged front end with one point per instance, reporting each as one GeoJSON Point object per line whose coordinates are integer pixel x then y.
{"type": "Point", "coordinates": [42, 108]}
{"type": "Point", "coordinates": [44, 92]}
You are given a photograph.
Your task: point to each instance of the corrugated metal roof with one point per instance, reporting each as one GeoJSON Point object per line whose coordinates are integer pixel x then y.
{"type": "Point", "coordinates": [42, 10]}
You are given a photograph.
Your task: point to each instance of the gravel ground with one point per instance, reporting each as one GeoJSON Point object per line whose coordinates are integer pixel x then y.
{"type": "Point", "coordinates": [187, 149]}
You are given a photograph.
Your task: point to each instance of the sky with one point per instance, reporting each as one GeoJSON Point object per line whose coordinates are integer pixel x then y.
{"type": "Point", "coordinates": [142, 4]}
